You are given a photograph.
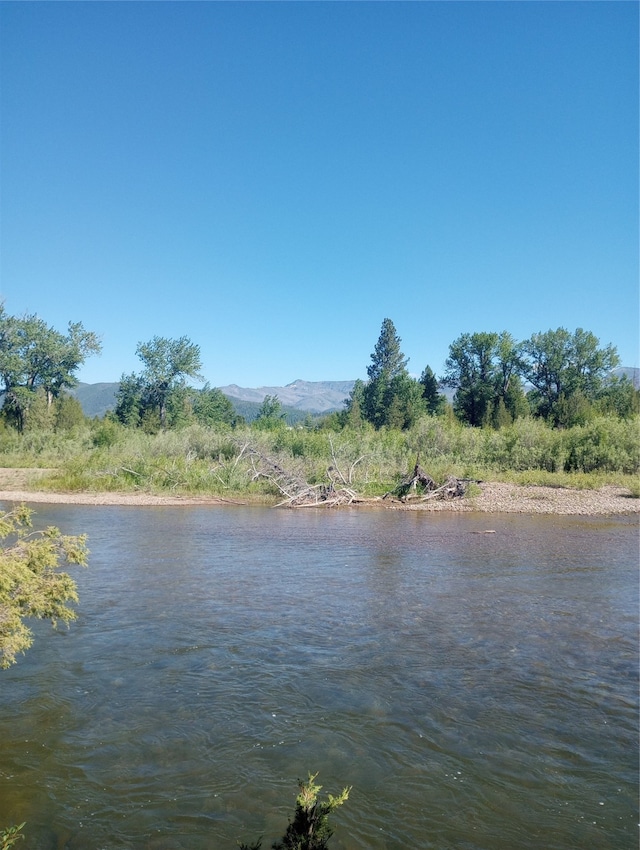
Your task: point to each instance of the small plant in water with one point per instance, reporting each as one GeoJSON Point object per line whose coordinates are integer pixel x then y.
{"type": "Point", "coordinates": [10, 835]}
{"type": "Point", "coordinates": [309, 829]}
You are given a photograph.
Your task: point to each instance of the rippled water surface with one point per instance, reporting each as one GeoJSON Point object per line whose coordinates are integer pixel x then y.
{"type": "Point", "coordinates": [476, 690]}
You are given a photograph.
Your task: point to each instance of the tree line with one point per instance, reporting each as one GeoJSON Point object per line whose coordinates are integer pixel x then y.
{"type": "Point", "coordinates": [560, 376]}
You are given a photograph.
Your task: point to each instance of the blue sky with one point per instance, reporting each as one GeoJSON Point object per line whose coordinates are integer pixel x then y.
{"type": "Point", "coordinates": [272, 180]}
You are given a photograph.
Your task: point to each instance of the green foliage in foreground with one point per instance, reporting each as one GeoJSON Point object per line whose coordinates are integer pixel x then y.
{"type": "Point", "coordinates": [30, 582]}
{"type": "Point", "coordinates": [309, 829]}
{"type": "Point", "coordinates": [10, 835]}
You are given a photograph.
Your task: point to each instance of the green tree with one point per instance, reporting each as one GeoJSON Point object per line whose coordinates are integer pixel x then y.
{"type": "Point", "coordinates": [31, 584]}
{"type": "Point", "coordinates": [387, 359]}
{"type": "Point", "coordinates": [145, 398]}
{"type": "Point", "coordinates": [508, 384]}
{"type": "Point", "coordinates": [483, 369]}
{"type": "Point", "coordinates": [167, 364]}
{"type": "Point", "coordinates": [390, 397]}
{"type": "Point", "coordinates": [68, 413]}
{"type": "Point", "coordinates": [309, 829]}
{"type": "Point", "coordinates": [34, 356]}
{"type": "Point", "coordinates": [470, 369]}
{"type": "Point", "coordinates": [559, 364]}
{"type": "Point", "coordinates": [619, 397]}
{"type": "Point", "coordinates": [354, 406]}
{"type": "Point", "coordinates": [434, 399]}
{"type": "Point", "coordinates": [129, 400]}
{"type": "Point", "coordinates": [270, 414]}
{"type": "Point", "coordinates": [212, 407]}
{"type": "Point", "coordinates": [405, 402]}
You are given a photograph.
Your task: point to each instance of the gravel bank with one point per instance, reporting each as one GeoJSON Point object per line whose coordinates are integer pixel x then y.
{"type": "Point", "coordinates": [493, 498]}
{"type": "Point", "coordinates": [512, 498]}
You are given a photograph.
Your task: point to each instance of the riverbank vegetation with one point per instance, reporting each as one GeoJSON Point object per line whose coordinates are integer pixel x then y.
{"type": "Point", "coordinates": [543, 411]}
{"type": "Point", "coordinates": [204, 460]}
{"type": "Point", "coordinates": [31, 584]}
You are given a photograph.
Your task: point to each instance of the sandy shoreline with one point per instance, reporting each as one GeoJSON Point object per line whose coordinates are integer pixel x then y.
{"type": "Point", "coordinates": [493, 498]}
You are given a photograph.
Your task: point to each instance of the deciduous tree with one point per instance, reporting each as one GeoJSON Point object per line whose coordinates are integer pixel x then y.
{"type": "Point", "coordinates": [483, 369]}
{"type": "Point", "coordinates": [559, 364]}
{"type": "Point", "coordinates": [470, 369]}
{"type": "Point", "coordinates": [167, 365]}
{"type": "Point", "coordinates": [270, 414]}
{"type": "Point", "coordinates": [34, 356]}
{"type": "Point", "coordinates": [212, 407]}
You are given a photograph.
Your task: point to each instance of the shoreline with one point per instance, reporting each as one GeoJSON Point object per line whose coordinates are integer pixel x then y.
{"type": "Point", "coordinates": [493, 498]}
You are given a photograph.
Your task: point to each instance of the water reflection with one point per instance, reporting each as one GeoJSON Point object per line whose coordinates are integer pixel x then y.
{"type": "Point", "coordinates": [478, 691]}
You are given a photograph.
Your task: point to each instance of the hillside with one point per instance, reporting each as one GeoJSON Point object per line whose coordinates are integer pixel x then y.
{"type": "Point", "coordinates": [314, 396]}
{"type": "Point", "coordinates": [632, 373]}
{"type": "Point", "coordinates": [298, 398]}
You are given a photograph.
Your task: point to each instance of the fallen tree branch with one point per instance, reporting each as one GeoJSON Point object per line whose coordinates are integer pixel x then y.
{"type": "Point", "coordinates": [420, 485]}
{"type": "Point", "coordinates": [297, 491]}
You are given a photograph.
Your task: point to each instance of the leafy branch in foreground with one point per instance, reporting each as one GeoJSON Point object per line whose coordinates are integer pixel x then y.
{"type": "Point", "coordinates": [10, 835]}
{"type": "Point", "coordinates": [30, 582]}
{"type": "Point", "coordinates": [309, 829]}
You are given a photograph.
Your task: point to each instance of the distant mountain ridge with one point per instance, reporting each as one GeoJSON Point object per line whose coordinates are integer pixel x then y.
{"type": "Point", "coordinates": [631, 372]}
{"type": "Point", "coordinates": [298, 397]}
{"type": "Point", "coordinates": [314, 396]}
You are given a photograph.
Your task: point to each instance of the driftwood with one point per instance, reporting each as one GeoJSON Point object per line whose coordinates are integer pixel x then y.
{"type": "Point", "coordinates": [337, 490]}
{"type": "Point", "coordinates": [420, 485]}
{"type": "Point", "coordinates": [297, 491]}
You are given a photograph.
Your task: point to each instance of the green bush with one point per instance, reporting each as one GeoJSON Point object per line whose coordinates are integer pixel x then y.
{"type": "Point", "coordinates": [309, 829]}
{"type": "Point", "coordinates": [605, 444]}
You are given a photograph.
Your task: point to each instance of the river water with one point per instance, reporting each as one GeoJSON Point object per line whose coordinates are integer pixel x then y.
{"type": "Point", "coordinates": [478, 691]}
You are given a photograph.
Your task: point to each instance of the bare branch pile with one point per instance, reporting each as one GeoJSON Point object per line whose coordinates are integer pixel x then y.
{"type": "Point", "coordinates": [420, 485]}
{"type": "Point", "coordinates": [297, 491]}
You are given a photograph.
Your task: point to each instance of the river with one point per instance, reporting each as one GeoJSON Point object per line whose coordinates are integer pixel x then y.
{"type": "Point", "coordinates": [478, 690]}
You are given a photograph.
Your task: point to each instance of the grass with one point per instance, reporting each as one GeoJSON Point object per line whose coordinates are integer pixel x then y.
{"type": "Point", "coordinates": [203, 461]}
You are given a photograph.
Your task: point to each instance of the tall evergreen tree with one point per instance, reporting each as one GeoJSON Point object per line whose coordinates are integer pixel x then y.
{"type": "Point", "coordinates": [387, 359]}
{"type": "Point", "coordinates": [434, 399]}
{"type": "Point", "coordinates": [387, 362]}
{"type": "Point", "coordinates": [390, 397]}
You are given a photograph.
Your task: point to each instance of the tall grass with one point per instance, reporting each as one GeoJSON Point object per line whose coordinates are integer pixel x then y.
{"type": "Point", "coordinates": [217, 461]}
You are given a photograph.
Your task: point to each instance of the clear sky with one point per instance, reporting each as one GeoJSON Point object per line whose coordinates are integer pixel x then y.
{"type": "Point", "coordinates": [272, 180]}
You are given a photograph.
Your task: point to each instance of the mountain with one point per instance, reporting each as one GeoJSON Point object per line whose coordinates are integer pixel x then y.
{"type": "Point", "coordinates": [631, 372]}
{"type": "Point", "coordinates": [314, 396]}
{"type": "Point", "coordinates": [95, 399]}
{"type": "Point", "coordinates": [297, 399]}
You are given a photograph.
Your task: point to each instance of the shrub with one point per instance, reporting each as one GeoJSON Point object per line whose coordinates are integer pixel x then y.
{"type": "Point", "coordinates": [606, 444]}
{"type": "Point", "coordinates": [309, 829]}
